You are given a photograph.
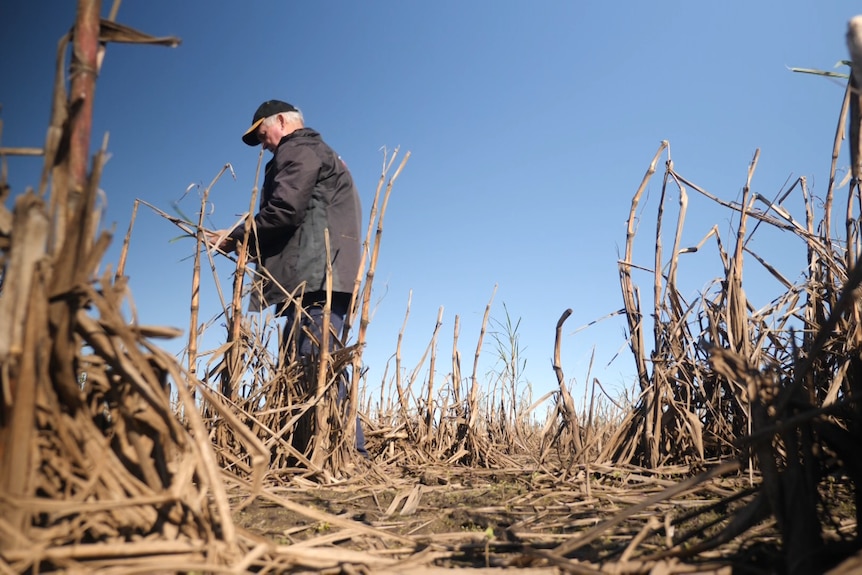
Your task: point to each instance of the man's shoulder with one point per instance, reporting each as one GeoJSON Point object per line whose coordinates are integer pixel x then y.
{"type": "Point", "coordinates": [305, 136]}
{"type": "Point", "coordinates": [311, 142]}
{"type": "Point", "coordinates": [295, 142]}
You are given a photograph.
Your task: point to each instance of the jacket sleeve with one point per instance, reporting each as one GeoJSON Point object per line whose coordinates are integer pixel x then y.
{"type": "Point", "coordinates": [296, 171]}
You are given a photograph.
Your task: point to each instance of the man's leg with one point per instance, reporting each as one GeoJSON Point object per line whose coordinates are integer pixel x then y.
{"type": "Point", "coordinates": [313, 321]}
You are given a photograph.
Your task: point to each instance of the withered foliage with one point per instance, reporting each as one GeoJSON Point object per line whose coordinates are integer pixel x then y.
{"type": "Point", "coordinates": [776, 387]}
{"type": "Point", "coordinates": [117, 459]}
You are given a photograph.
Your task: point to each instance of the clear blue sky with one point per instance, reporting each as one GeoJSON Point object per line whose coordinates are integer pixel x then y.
{"type": "Point", "coordinates": [530, 125]}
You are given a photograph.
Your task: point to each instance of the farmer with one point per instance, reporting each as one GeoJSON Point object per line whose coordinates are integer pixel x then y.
{"type": "Point", "coordinates": [306, 189]}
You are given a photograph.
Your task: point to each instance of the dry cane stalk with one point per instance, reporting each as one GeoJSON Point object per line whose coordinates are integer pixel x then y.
{"type": "Point", "coordinates": [322, 443]}
{"type": "Point", "coordinates": [473, 400]}
{"type": "Point", "coordinates": [18, 466]}
{"type": "Point", "coordinates": [456, 362]}
{"type": "Point", "coordinates": [369, 280]}
{"type": "Point", "coordinates": [18, 151]}
{"type": "Point", "coordinates": [399, 388]}
{"type": "Point", "coordinates": [632, 314]}
{"type": "Point", "coordinates": [70, 272]}
{"type": "Point", "coordinates": [366, 296]}
{"type": "Point", "coordinates": [836, 152]}
{"type": "Point", "coordinates": [124, 252]}
{"type": "Point", "coordinates": [357, 283]}
{"type": "Point", "coordinates": [568, 413]}
{"type": "Point", "coordinates": [196, 278]}
{"type": "Point", "coordinates": [83, 68]}
{"type": "Point", "coordinates": [652, 431]}
{"type": "Point", "coordinates": [736, 321]}
{"type": "Point", "coordinates": [30, 233]}
{"type": "Point", "coordinates": [51, 165]}
{"type": "Point", "coordinates": [456, 378]}
{"type": "Point", "coordinates": [407, 393]}
{"type": "Point", "coordinates": [231, 376]}
{"type": "Point", "coordinates": [208, 467]}
{"type": "Point", "coordinates": [677, 240]}
{"type": "Point", "coordinates": [429, 401]}
{"type": "Point", "coordinates": [853, 191]}
{"type": "Point", "coordinates": [588, 440]}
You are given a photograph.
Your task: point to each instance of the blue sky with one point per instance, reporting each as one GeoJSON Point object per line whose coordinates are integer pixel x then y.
{"type": "Point", "coordinates": [530, 127]}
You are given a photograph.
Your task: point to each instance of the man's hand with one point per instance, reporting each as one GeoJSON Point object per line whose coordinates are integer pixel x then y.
{"type": "Point", "coordinates": [221, 240]}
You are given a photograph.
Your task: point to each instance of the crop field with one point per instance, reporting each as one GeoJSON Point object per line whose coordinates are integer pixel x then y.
{"type": "Point", "coordinates": [737, 452]}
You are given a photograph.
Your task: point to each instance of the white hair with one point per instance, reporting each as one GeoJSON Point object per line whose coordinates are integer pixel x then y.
{"type": "Point", "coordinates": [288, 117]}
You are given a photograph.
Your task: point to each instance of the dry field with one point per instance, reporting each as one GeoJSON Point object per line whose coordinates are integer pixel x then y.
{"type": "Point", "coordinates": [738, 453]}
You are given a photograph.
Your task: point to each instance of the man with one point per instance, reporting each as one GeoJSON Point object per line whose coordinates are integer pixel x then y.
{"type": "Point", "coordinates": [306, 189]}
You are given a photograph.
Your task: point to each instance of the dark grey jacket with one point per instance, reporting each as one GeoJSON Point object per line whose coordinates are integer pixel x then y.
{"type": "Point", "coordinates": [306, 189]}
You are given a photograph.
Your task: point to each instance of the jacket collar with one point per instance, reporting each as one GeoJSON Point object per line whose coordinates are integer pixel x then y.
{"type": "Point", "coordinates": [300, 133]}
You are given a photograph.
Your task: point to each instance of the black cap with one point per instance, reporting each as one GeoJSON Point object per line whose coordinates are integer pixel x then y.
{"type": "Point", "coordinates": [265, 110]}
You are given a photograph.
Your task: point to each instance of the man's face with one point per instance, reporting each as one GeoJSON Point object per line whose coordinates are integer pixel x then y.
{"type": "Point", "coordinates": [270, 134]}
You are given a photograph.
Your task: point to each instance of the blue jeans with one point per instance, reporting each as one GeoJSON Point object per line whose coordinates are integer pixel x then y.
{"type": "Point", "coordinates": [312, 321]}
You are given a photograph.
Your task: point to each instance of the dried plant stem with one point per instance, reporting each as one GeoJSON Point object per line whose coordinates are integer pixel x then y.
{"type": "Point", "coordinates": [399, 387]}
{"type": "Point", "coordinates": [17, 481]}
{"type": "Point", "coordinates": [21, 151]}
{"type": "Point", "coordinates": [632, 307]}
{"type": "Point", "coordinates": [473, 399]}
{"type": "Point", "coordinates": [200, 241]}
{"type": "Point", "coordinates": [369, 278]}
{"type": "Point", "coordinates": [456, 361]}
{"type": "Point", "coordinates": [30, 229]}
{"type": "Point", "coordinates": [194, 305]}
{"type": "Point", "coordinates": [566, 405]}
{"type": "Point", "coordinates": [429, 398]}
{"type": "Point", "coordinates": [84, 68]}
{"type": "Point", "coordinates": [350, 318]}
{"type": "Point", "coordinates": [840, 130]}
{"type": "Point", "coordinates": [322, 447]}
{"type": "Point", "coordinates": [232, 373]}
{"type": "Point", "coordinates": [124, 252]}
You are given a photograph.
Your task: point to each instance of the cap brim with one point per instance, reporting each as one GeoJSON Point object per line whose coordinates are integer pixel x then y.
{"type": "Point", "coordinates": [250, 136]}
